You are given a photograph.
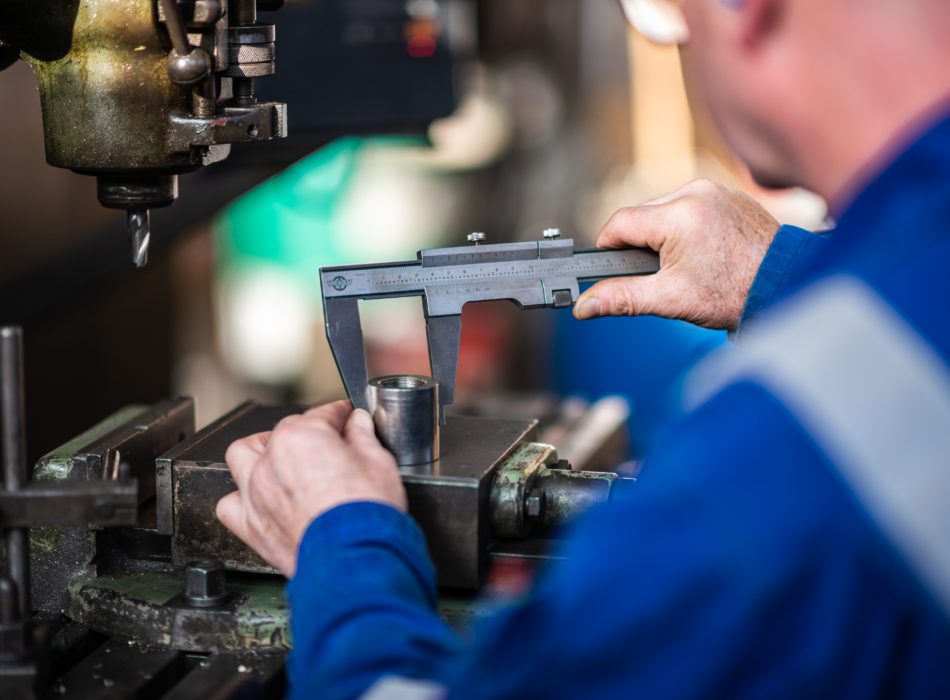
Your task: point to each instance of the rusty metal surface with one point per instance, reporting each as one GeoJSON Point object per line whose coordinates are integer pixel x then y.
{"type": "Point", "coordinates": [135, 97]}
{"type": "Point", "coordinates": [511, 486]}
{"type": "Point", "coordinates": [533, 493]}
{"type": "Point", "coordinates": [105, 101]}
{"type": "Point", "coordinates": [149, 608]}
{"type": "Point", "coordinates": [133, 435]}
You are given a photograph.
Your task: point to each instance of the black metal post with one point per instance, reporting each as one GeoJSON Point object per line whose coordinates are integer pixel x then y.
{"type": "Point", "coordinates": [13, 432]}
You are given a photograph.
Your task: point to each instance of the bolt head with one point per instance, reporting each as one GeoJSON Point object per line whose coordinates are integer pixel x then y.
{"type": "Point", "coordinates": [551, 233]}
{"type": "Point", "coordinates": [476, 237]}
{"type": "Point", "coordinates": [534, 504]}
{"type": "Point", "coordinates": [205, 584]}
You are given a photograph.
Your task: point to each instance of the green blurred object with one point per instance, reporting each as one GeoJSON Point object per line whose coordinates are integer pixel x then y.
{"type": "Point", "coordinates": [293, 220]}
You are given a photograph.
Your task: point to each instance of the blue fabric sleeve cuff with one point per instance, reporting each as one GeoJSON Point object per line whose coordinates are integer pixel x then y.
{"type": "Point", "coordinates": [782, 259]}
{"type": "Point", "coordinates": [365, 523]}
{"type": "Point", "coordinates": [357, 522]}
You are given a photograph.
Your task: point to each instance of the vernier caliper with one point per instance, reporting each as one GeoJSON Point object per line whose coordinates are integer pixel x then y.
{"type": "Point", "coordinates": [534, 275]}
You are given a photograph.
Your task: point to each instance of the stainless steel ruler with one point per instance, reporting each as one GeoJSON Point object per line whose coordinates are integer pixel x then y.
{"type": "Point", "coordinates": [534, 275]}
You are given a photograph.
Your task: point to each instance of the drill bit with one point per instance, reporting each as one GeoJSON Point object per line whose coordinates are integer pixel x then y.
{"type": "Point", "coordinates": [138, 224]}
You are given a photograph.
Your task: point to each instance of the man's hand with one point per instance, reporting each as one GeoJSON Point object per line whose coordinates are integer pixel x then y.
{"type": "Point", "coordinates": [711, 241]}
{"type": "Point", "coordinates": [309, 464]}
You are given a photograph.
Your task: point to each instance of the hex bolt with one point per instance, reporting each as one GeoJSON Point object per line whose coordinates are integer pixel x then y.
{"type": "Point", "coordinates": [205, 585]}
{"type": "Point", "coordinates": [476, 237]}
{"type": "Point", "coordinates": [551, 233]}
{"type": "Point", "coordinates": [534, 505]}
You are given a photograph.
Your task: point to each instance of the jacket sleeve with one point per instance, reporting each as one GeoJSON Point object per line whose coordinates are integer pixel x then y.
{"type": "Point", "coordinates": [363, 603]}
{"type": "Point", "coordinates": [791, 249]}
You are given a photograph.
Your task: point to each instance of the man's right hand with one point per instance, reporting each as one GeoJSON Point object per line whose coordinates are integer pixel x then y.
{"type": "Point", "coordinates": [711, 240]}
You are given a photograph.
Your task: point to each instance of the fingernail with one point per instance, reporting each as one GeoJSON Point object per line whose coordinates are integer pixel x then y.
{"type": "Point", "coordinates": [587, 307]}
{"type": "Point", "coordinates": [362, 419]}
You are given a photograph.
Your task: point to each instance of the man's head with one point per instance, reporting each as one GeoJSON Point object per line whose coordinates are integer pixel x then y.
{"type": "Point", "coordinates": [812, 92]}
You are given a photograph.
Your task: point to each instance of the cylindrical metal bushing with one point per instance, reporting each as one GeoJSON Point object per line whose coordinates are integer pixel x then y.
{"type": "Point", "coordinates": [405, 409]}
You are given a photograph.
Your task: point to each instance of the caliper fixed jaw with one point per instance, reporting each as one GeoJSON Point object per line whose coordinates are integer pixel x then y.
{"type": "Point", "coordinates": [345, 335]}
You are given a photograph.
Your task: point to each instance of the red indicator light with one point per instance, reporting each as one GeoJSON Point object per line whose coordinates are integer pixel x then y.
{"type": "Point", "coordinates": [421, 46]}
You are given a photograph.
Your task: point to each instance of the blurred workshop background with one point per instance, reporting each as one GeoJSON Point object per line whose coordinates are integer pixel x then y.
{"type": "Point", "coordinates": [550, 114]}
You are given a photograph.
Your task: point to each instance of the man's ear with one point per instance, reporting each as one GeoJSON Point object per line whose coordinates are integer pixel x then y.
{"type": "Point", "coordinates": [758, 19]}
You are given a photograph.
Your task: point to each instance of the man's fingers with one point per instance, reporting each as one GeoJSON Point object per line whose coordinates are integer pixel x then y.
{"type": "Point", "coordinates": [645, 226]}
{"type": "Point", "coordinates": [334, 414]}
{"type": "Point", "coordinates": [626, 296]}
{"type": "Point", "coordinates": [228, 511]}
{"type": "Point", "coordinates": [243, 454]}
{"type": "Point", "coordinates": [360, 430]}
{"type": "Point", "coordinates": [280, 554]}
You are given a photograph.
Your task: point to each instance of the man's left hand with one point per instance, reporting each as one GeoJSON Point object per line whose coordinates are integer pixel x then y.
{"type": "Point", "coordinates": [307, 465]}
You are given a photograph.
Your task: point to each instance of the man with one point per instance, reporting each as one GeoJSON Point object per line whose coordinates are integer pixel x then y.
{"type": "Point", "coordinates": [791, 536]}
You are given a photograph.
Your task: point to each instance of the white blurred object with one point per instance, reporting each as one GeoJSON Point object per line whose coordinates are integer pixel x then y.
{"type": "Point", "coordinates": [266, 322]}
{"type": "Point", "coordinates": [477, 134]}
{"type": "Point", "coordinates": [660, 21]}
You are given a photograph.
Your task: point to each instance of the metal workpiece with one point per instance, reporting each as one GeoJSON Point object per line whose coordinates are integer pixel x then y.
{"type": "Point", "coordinates": [405, 410]}
{"type": "Point", "coordinates": [540, 274]}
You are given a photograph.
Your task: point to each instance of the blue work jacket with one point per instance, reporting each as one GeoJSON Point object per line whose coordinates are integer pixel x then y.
{"type": "Point", "coordinates": [788, 538]}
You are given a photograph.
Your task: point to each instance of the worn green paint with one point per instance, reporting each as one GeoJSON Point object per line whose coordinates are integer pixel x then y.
{"type": "Point", "coordinates": [149, 587]}
{"type": "Point", "coordinates": [45, 539]}
{"type": "Point", "coordinates": [136, 605]}
{"type": "Point", "coordinates": [58, 464]}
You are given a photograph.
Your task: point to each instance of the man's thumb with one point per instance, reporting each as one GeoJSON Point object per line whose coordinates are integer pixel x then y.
{"type": "Point", "coordinates": [360, 428]}
{"type": "Point", "coordinates": [621, 296]}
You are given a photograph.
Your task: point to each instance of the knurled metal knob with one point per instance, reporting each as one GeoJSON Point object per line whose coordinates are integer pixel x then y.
{"type": "Point", "coordinates": [205, 585]}
{"type": "Point", "coordinates": [551, 233]}
{"type": "Point", "coordinates": [476, 237]}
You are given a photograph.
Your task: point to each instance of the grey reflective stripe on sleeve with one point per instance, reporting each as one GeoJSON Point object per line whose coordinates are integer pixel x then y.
{"type": "Point", "coordinates": [873, 395]}
{"type": "Point", "coordinates": [399, 688]}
